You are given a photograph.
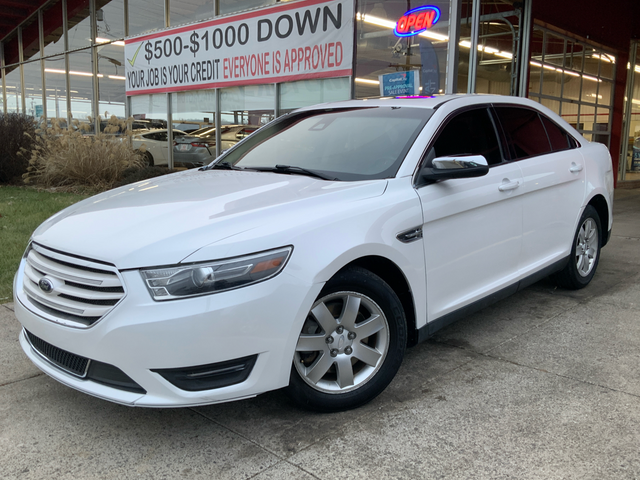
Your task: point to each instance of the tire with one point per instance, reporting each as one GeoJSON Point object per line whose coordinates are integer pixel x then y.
{"type": "Point", "coordinates": [147, 159]}
{"type": "Point", "coordinates": [585, 252]}
{"type": "Point", "coordinates": [351, 344]}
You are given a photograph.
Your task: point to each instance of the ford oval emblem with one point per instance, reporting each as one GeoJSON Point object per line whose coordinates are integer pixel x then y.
{"type": "Point", "coordinates": [45, 285]}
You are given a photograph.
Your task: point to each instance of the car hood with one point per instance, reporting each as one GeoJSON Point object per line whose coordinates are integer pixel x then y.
{"type": "Point", "coordinates": [162, 221]}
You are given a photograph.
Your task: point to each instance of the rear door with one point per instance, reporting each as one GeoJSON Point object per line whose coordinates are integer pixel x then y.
{"type": "Point", "coordinates": [472, 227]}
{"type": "Point", "coordinates": [554, 184]}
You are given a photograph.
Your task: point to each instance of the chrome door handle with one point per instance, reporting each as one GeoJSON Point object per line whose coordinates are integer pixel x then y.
{"type": "Point", "coordinates": [575, 168]}
{"type": "Point", "coordinates": [505, 186]}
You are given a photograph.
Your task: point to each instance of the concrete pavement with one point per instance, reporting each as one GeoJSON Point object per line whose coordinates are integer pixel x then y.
{"type": "Point", "coordinates": [542, 385]}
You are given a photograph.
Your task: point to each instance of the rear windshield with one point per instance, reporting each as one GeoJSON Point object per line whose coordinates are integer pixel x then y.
{"type": "Point", "coordinates": [348, 144]}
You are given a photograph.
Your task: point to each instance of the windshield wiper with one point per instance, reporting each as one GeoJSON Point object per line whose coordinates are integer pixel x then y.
{"type": "Point", "coordinates": [296, 170]}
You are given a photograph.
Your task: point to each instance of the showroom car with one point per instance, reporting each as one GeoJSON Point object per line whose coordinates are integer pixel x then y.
{"type": "Point", "coordinates": [199, 147]}
{"type": "Point", "coordinates": [312, 253]}
{"type": "Point", "coordinates": [155, 144]}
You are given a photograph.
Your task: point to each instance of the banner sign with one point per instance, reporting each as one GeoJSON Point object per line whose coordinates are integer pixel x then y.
{"type": "Point", "coordinates": [291, 41]}
{"type": "Point", "coordinates": [399, 83]}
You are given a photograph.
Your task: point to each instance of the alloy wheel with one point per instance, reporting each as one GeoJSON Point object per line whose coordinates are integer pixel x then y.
{"type": "Point", "coordinates": [343, 343]}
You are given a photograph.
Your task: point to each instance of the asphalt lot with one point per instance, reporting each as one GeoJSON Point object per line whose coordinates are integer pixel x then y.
{"type": "Point", "coordinates": [545, 384]}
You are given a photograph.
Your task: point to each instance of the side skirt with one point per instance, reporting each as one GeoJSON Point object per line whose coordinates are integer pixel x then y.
{"type": "Point", "coordinates": [432, 327]}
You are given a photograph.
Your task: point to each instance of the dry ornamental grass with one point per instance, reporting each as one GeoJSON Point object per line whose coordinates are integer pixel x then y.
{"type": "Point", "coordinates": [64, 157]}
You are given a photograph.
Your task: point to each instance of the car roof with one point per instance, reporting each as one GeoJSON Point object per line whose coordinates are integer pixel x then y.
{"type": "Point", "coordinates": [423, 102]}
{"type": "Point", "coordinates": [143, 131]}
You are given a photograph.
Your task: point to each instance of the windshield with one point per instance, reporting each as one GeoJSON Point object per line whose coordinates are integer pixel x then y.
{"type": "Point", "coordinates": [347, 144]}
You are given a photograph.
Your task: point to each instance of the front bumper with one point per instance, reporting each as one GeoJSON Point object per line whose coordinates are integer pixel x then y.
{"type": "Point", "coordinates": [139, 335]}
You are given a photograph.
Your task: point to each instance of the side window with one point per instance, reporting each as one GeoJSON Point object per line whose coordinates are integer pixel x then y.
{"type": "Point", "coordinates": [560, 140]}
{"type": "Point", "coordinates": [151, 136]}
{"type": "Point", "coordinates": [524, 131]}
{"type": "Point", "coordinates": [469, 133]}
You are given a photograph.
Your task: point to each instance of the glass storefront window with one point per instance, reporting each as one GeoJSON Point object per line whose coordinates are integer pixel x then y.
{"type": "Point", "coordinates": [586, 118]}
{"type": "Point", "coordinates": [111, 78]}
{"type": "Point", "coordinates": [380, 51]}
{"type": "Point", "coordinates": [185, 11]}
{"type": "Point", "coordinates": [554, 50]}
{"type": "Point", "coordinates": [193, 110]}
{"type": "Point", "coordinates": [574, 85]}
{"type": "Point", "coordinates": [52, 29]}
{"type": "Point", "coordinates": [56, 87]}
{"type": "Point", "coordinates": [80, 84]}
{"type": "Point", "coordinates": [232, 6]}
{"type": "Point", "coordinates": [145, 15]}
{"type": "Point", "coordinates": [589, 92]}
{"type": "Point", "coordinates": [497, 41]}
{"type": "Point", "coordinates": [309, 92]}
{"type": "Point", "coordinates": [592, 63]}
{"type": "Point", "coordinates": [110, 21]}
{"type": "Point", "coordinates": [30, 40]}
{"type": "Point", "coordinates": [149, 111]}
{"type": "Point", "coordinates": [573, 59]}
{"type": "Point", "coordinates": [250, 105]}
{"type": "Point", "coordinates": [11, 51]}
{"type": "Point", "coordinates": [535, 63]}
{"type": "Point", "coordinates": [33, 89]}
{"type": "Point", "coordinates": [14, 96]}
{"type": "Point", "coordinates": [79, 24]}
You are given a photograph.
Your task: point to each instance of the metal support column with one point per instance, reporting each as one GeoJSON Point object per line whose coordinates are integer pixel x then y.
{"type": "Point", "coordinates": [42, 72]}
{"type": "Point", "coordinates": [126, 18]}
{"type": "Point", "coordinates": [525, 40]}
{"type": "Point", "coordinates": [4, 80]}
{"type": "Point", "coordinates": [218, 123]}
{"type": "Point", "coordinates": [169, 132]}
{"type": "Point", "coordinates": [23, 100]}
{"type": "Point", "coordinates": [65, 33]}
{"type": "Point", "coordinates": [451, 83]}
{"type": "Point", "coordinates": [473, 49]}
{"type": "Point", "coordinates": [167, 16]}
{"type": "Point", "coordinates": [95, 68]}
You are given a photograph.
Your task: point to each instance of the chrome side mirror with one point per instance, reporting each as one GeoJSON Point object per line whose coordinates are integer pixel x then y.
{"type": "Point", "coordinates": [444, 168]}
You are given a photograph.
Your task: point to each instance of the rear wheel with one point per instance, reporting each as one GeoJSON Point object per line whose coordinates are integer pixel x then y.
{"type": "Point", "coordinates": [351, 345]}
{"type": "Point", "coordinates": [585, 252]}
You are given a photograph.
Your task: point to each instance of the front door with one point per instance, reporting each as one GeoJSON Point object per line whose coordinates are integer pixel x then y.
{"type": "Point", "coordinates": [472, 227]}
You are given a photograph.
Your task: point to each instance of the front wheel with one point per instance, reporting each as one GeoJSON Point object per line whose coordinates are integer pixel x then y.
{"type": "Point", "coordinates": [585, 252]}
{"type": "Point", "coordinates": [351, 344]}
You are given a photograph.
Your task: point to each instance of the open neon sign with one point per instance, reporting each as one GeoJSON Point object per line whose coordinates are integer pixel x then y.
{"type": "Point", "coordinates": [417, 21]}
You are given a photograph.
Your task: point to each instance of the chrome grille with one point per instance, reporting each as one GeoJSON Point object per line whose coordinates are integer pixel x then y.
{"type": "Point", "coordinates": [71, 363]}
{"type": "Point", "coordinates": [81, 291]}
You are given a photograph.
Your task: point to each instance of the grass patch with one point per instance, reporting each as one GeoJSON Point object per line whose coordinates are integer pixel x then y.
{"type": "Point", "coordinates": [21, 211]}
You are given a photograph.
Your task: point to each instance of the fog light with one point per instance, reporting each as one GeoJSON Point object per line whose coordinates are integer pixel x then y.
{"type": "Point", "coordinates": [208, 377]}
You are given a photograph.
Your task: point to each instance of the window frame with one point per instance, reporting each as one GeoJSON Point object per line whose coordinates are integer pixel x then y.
{"type": "Point", "coordinates": [425, 160]}
{"type": "Point", "coordinates": [571, 140]}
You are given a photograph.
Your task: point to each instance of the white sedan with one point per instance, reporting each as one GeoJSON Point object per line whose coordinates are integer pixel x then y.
{"type": "Point", "coordinates": [311, 254]}
{"type": "Point", "coordinates": [155, 144]}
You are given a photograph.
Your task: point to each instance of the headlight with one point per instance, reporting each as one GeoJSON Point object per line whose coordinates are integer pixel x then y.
{"type": "Point", "coordinates": [181, 281]}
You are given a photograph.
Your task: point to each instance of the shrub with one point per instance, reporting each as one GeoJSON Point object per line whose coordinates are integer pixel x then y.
{"type": "Point", "coordinates": [72, 158]}
{"type": "Point", "coordinates": [17, 133]}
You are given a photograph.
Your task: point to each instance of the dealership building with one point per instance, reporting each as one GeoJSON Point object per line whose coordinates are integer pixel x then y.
{"type": "Point", "coordinates": [187, 64]}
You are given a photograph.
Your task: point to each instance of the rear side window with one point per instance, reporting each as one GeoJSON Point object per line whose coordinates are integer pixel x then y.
{"type": "Point", "coordinates": [525, 134]}
{"type": "Point", "coordinates": [560, 140]}
{"type": "Point", "coordinates": [469, 133]}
